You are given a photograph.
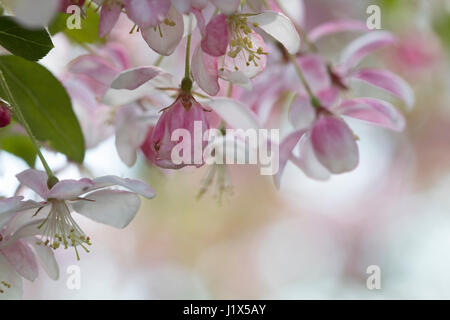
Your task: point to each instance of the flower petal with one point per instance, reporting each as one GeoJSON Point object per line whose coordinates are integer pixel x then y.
{"type": "Point", "coordinates": [20, 256]}
{"type": "Point", "coordinates": [234, 113]}
{"type": "Point", "coordinates": [147, 13]}
{"type": "Point", "coordinates": [315, 71]}
{"type": "Point", "coordinates": [389, 82]}
{"type": "Point", "coordinates": [12, 278]}
{"type": "Point", "coordinates": [134, 185]}
{"type": "Point", "coordinates": [13, 205]}
{"type": "Point", "coordinates": [216, 39]}
{"type": "Point", "coordinates": [228, 6]}
{"type": "Point", "coordinates": [205, 71]}
{"type": "Point", "coordinates": [165, 38]}
{"type": "Point", "coordinates": [364, 45]}
{"type": "Point", "coordinates": [70, 189]}
{"type": "Point", "coordinates": [47, 258]}
{"type": "Point", "coordinates": [111, 207]}
{"type": "Point", "coordinates": [285, 152]}
{"type": "Point", "coordinates": [279, 27]}
{"type": "Point", "coordinates": [35, 180]}
{"type": "Point", "coordinates": [109, 15]}
{"type": "Point", "coordinates": [334, 144]}
{"type": "Point", "coordinates": [333, 27]}
{"type": "Point", "coordinates": [134, 78]}
{"type": "Point", "coordinates": [32, 13]}
{"type": "Point", "coordinates": [301, 113]}
{"type": "Point", "coordinates": [374, 111]}
{"type": "Point", "coordinates": [131, 129]}
{"type": "Point", "coordinates": [308, 162]}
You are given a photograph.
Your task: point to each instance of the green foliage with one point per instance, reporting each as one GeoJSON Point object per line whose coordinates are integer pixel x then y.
{"type": "Point", "coordinates": [45, 105]}
{"type": "Point", "coordinates": [29, 44]}
{"type": "Point", "coordinates": [18, 145]}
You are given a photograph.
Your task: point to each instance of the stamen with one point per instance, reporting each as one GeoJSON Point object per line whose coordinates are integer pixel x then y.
{"type": "Point", "coordinates": [60, 228]}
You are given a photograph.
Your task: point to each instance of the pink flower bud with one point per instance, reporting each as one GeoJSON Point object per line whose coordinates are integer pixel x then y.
{"type": "Point", "coordinates": [185, 113]}
{"type": "Point", "coordinates": [5, 115]}
{"type": "Point", "coordinates": [64, 4]}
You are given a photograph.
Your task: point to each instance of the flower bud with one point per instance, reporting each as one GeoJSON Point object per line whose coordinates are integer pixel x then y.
{"type": "Point", "coordinates": [5, 115]}
{"type": "Point", "coordinates": [180, 126]}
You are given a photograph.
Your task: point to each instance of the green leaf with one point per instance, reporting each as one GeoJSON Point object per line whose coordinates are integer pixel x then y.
{"type": "Point", "coordinates": [29, 44]}
{"type": "Point", "coordinates": [20, 146]}
{"type": "Point", "coordinates": [45, 105]}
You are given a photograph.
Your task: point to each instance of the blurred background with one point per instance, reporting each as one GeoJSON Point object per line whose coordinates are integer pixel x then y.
{"type": "Point", "coordinates": [309, 240]}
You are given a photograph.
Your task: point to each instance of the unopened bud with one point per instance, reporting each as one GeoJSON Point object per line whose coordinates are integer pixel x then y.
{"type": "Point", "coordinates": [5, 115]}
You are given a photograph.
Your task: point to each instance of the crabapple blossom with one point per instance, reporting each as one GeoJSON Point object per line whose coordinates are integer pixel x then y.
{"type": "Point", "coordinates": [94, 199]}
{"type": "Point", "coordinates": [182, 114]}
{"type": "Point", "coordinates": [18, 248]}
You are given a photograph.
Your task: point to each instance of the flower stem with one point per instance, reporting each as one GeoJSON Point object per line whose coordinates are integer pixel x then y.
{"type": "Point", "coordinates": [314, 100]}
{"type": "Point", "coordinates": [21, 118]}
{"type": "Point", "coordinates": [187, 72]}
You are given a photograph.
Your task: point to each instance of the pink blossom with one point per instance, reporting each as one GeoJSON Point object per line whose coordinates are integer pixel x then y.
{"type": "Point", "coordinates": [182, 114]}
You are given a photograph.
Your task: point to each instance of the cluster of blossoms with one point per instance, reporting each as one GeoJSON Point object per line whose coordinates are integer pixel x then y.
{"type": "Point", "coordinates": [224, 86]}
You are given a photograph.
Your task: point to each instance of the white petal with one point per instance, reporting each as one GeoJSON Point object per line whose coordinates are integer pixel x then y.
{"type": "Point", "coordinates": [47, 259]}
{"type": "Point", "coordinates": [134, 185]}
{"type": "Point", "coordinates": [111, 207]}
{"type": "Point", "coordinates": [69, 189]}
{"type": "Point", "coordinates": [171, 35]}
{"type": "Point", "coordinates": [234, 113]}
{"type": "Point", "coordinates": [131, 131]}
{"type": "Point", "coordinates": [35, 180]}
{"type": "Point", "coordinates": [279, 27]}
{"type": "Point", "coordinates": [12, 278]}
{"type": "Point", "coordinates": [227, 6]}
{"type": "Point", "coordinates": [32, 13]}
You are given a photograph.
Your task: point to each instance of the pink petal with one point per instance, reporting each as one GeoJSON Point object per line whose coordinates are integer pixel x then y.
{"type": "Point", "coordinates": [216, 39]}
{"type": "Point", "coordinates": [69, 189]}
{"type": "Point", "coordinates": [388, 81]}
{"type": "Point", "coordinates": [133, 78]}
{"type": "Point", "coordinates": [205, 71]}
{"type": "Point", "coordinates": [21, 258]}
{"type": "Point", "coordinates": [200, 21]}
{"type": "Point", "coordinates": [35, 180]}
{"type": "Point", "coordinates": [109, 15]}
{"type": "Point", "coordinates": [147, 13]}
{"type": "Point", "coordinates": [94, 67]}
{"type": "Point", "coordinates": [364, 45]}
{"type": "Point", "coordinates": [301, 113]}
{"type": "Point", "coordinates": [334, 27]}
{"type": "Point", "coordinates": [308, 162]}
{"type": "Point", "coordinates": [374, 111]}
{"type": "Point", "coordinates": [285, 152]}
{"type": "Point", "coordinates": [334, 144]}
{"type": "Point", "coordinates": [315, 71]}
{"type": "Point", "coordinates": [164, 39]}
